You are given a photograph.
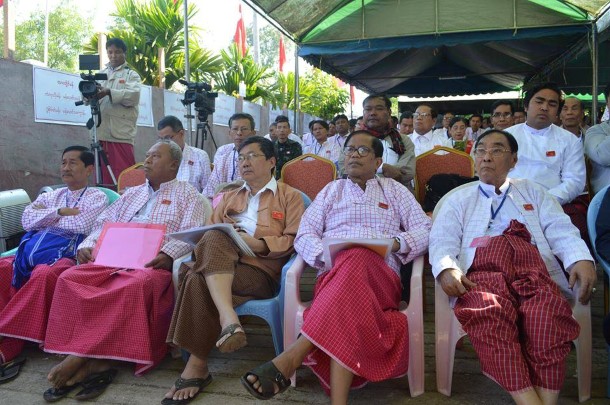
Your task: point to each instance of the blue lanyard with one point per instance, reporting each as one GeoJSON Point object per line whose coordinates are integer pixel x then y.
{"type": "Point", "coordinates": [77, 200]}
{"type": "Point", "coordinates": [494, 214]}
{"type": "Point", "coordinates": [319, 149]}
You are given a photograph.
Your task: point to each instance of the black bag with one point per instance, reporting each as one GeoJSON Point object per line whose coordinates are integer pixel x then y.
{"type": "Point", "coordinates": [441, 184]}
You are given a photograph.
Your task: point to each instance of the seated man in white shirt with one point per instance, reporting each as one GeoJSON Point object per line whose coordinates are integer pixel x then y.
{"type": "Point", "coordinates": [226, 168]}
{"type": "Point", "coordinates": [474, 130]}
{"type": "Point", "coordinates": [597, 149]}
{"type": "Point", "coordinates": [195, 166]}
{"type": "Point", "coordinates": [423, 136]}
{"type": "Point", "coordinates": [342, 128]}
{"type": "Point", "coordinates": [502, 114]}
{"type": "Point", "coordinates": [272, 136]}
{"type": "Point", "coordinates": [550, 156]}
{"type": "Point", "coordinates": [495, 247]}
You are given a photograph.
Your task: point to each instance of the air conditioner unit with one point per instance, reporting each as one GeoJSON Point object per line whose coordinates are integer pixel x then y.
{"type": "Point", "coordinates": [12, 204]}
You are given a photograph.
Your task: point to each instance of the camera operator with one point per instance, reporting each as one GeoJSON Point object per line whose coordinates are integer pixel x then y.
{"type": "Point", "coordinates": [118, 100]}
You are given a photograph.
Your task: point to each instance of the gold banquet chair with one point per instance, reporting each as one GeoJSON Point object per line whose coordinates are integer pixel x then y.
{"type": "Point", "coordinates": [309, 173]}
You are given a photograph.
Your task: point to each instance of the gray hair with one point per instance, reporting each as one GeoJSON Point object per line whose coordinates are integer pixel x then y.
{"type": "Point", "coordinates": [174, 149]}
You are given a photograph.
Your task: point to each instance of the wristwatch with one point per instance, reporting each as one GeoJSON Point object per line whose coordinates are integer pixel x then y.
{"type": "Point", "coordinates": [397, 239]}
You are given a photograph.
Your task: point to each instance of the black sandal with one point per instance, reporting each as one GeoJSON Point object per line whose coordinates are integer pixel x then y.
{"type": "Point", "coordinates": [55, 394]}
{"type": "Point", "coordinates": [10, 370]}
{"type": "Point", "coordinates": [268, 376]}
{"type": "Point", "coordinates": [182, 383]}
{"type": "Point", "coordinates": [96, 384]}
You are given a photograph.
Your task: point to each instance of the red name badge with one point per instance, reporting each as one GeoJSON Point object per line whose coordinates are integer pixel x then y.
{"type": "Point", "coordinates": [550, 153]}
{"type": "Point", "coordinates": [122, 81]}
{"type": "Point", "coordinates": [166, 202]}
{"type": "Point", "coordinates": [528, 207]}
{"type": "Point", "coordinates": [277, 215]}
{"type": "Point", "coordinates": [191, 162]}
{"type": "Point", "coordinates": [481, 241]}
{"type": "Point", "coordinates": [384, 206]}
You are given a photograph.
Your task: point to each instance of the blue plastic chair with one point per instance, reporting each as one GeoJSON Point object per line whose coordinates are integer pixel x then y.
{"type": "Point", "coordinates": [272, 309]}
{"type": "Point", "coordinates": [591, 218]}
{"type": "Point", "coordinates": [112, 197]}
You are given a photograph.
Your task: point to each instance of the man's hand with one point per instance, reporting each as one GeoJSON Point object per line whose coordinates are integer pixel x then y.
{"type": "Point", "coordinates": [103, 92]}
{"type": "Point", "coordinates": [84, 255]}
{"type": "Point", "coordinates": [454, 283]}
{"type": "Point", "coordinates": [161, 261]}
{"type": "Point", "coordinates": [390, 171]}
{"type": "Point", "coordinates": [584, 271]}
{"type": "Point", "coordinates": [257, 245]}
{"type": "Point", "coordinates": [67, 211]}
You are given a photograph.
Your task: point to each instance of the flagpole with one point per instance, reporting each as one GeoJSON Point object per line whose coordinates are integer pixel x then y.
{"type": "Point", "coordinates": [255, 39]}
{"type": "Point", "coordinates": [296, 89]}
{"type": "Point", "coordinates": [46, 34]}
{"type": "Point", "coordinates": [187, 70]}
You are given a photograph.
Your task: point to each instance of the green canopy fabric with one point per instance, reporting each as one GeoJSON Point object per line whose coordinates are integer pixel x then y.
{"type": "Point", "coordinates": [435, 47]}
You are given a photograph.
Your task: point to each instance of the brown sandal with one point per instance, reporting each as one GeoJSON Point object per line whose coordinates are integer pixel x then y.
{"type": "Point", "coordinates": [232, 338]}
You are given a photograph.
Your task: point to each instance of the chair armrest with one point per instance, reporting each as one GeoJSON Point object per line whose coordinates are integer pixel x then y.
{"type": "Point", "coordinates": [176, 269]}
{"type": "Point", "coordinates": [9, 253]}
{"type": "Point", "coordinates": [293, 280]}
{"type": "Point", "coordinates": [579, 309]}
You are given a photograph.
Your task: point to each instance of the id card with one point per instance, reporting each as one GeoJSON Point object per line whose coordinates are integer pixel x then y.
{"type": "Point", "coordinates": [481, 241]}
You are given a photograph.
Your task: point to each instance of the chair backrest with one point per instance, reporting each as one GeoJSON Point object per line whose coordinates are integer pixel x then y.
{"type": "Point", "coordinates": [309, 173]}
{"type": "Point", "coordinates": [448, 161]}
{"type": "Point", "coordinates": [111, 194]}
{"type": "Point", "coordinates": [130, 177]}
{"type": "Point", "coordinates": [592, 213]}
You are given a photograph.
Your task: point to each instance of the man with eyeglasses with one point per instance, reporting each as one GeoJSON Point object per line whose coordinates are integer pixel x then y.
{"type": "Point", "coordinates": [195, 167]}
{"type": "Point", "coordinates": [423, 137]}
{"type": "Point", "coordinates": [266, 213]}
{"type": "Point", "coordinates": [502, 114]}
{"type": "Point", "coordinates": [360, 294]}
{"type": "Point", "coordinates": [551, 156]}
{"type": "Point", "coordinates": [447, 117]}
{"type": "Point", "coordinates": [495, 248]}
{"type": "Point", "coordinates": [241, 127]}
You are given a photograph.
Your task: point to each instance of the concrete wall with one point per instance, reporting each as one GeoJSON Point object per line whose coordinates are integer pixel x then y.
{"type": "Point", "coordinates": [30, 152]}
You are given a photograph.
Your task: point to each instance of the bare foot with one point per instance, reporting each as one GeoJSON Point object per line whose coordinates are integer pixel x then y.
{"type": "Point", "coordinates": [61, 373]}
{"type": "Point", "coordinates": [93, 366]}
{"type": "Point", "coordinates": [195, 368]}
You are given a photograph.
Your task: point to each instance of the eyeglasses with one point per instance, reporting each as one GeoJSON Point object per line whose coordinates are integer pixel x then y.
{"type": "Point", "coordinates": [423, 115]}
{"type": "Point", "coordinates": [363, 151]}
{"type": "Point", "coordinates": [248, 156]}
{"type": "Point", "coordinates": [503, 115]}
{"type": "Point", "coordinates": [242, 130]}
{"type": "Point", "coordinates": [495, 152]}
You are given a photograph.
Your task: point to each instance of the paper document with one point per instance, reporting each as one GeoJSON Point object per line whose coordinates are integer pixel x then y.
{"type": "Point", "coordinates": [128, 245]}
{"type": "Point", "coordinates": [332, 246]}
{"type": "Point", "coordinates": [192, 236]}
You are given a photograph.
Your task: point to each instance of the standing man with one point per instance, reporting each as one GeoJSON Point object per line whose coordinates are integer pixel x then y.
{"type": "Point", "coordinates": [550, 156]}
{"type": "Point", "coordinates": [342, 127]}
{"type": "Point", "coordinates": [597, 148]}
{"type": "Point", "coordinates": [423, 137]}
{"type": "Point", "coordinates": [502, 114]}
{"type": "Point", "coordinates": [195, 167]}
{"type": "Point", "coordinates": [406, 123]}
{"type": "Point", "coordinates": [285, 149]}
{"type": "Point", "coordinates": [474, 130]}
{"type": "Point", "coordinates": [119, 97]}
{"type": "Point", "coordinates": [226, 170]}
{"type": "Point", "coordinates": [572, 117]}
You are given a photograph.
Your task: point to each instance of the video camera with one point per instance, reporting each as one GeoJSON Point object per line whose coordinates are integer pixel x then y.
{"type": "Point", "coordinates": [200, 94]}
{"type": "Point", "coordinates": [89, 85]}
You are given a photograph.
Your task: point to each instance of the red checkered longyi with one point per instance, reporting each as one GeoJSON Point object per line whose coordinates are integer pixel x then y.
{"type": "Point", "coordinates": [519, 323]}
{"type": "Point", "coordinates": [354, 319]}
{"type": "Point", "coordinates": [100, 312]}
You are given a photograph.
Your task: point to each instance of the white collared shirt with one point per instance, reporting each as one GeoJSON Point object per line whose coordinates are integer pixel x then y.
{"type": "Point", "coordinates": [424, 143]}
{"type": "Point", "coordinates": [551, 157]}
{"type": "Point", "coordinates": [247, 220]}
{"type": "Point", "coordinates": [143, 215]}
{"type": "Point", "coordinates": [329, 149]}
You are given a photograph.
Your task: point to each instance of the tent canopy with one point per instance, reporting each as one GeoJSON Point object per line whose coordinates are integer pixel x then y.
{"type": "Point", "coordinates": [437, 47]}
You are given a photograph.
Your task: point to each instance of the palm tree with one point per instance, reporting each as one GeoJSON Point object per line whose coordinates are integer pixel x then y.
{"type": "Point", "coordinates": [155, 25]}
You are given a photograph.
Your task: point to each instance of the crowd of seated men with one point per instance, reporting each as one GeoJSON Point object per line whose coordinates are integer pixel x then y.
{"type": "Point", "coordinates": [516, 238]}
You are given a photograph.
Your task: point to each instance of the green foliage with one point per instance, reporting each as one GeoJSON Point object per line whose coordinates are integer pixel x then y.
{"type": "Point", "coordinates": [269, 46]}
{"type": "Point", "coordinates": [67, 31]}
{"type": "Point", "coordinates": [327, 98]}
{"type": "Point", "coordinates": [237, 68]}
{"type": "Point", "coordinates": [147, 26]}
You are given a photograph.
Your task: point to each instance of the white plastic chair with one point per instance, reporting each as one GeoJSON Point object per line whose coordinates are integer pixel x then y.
{"type": "Point", "coordinates": [294, 308]}
{"type": "Point", "coordinates": [448, 331]}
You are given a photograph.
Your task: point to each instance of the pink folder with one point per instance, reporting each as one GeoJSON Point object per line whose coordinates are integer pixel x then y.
{"type": "Point", "coordinates": [128, 245]}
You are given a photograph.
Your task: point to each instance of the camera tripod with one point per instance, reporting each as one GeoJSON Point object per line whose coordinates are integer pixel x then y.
{"type": "Point", "coordinates": [203, 128]}
{"type": "Point", "coordinates": [96, 147]}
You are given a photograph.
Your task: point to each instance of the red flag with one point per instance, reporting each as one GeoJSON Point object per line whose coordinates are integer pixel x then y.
{"type": "Point", "coordinates": [240, 34]}
{"type": "Point", "coordinates": [0, 3]}
{"type": "Point", "coordinates": [282, 53]}
{"type": "Point", "coordinates": [352, 94]}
